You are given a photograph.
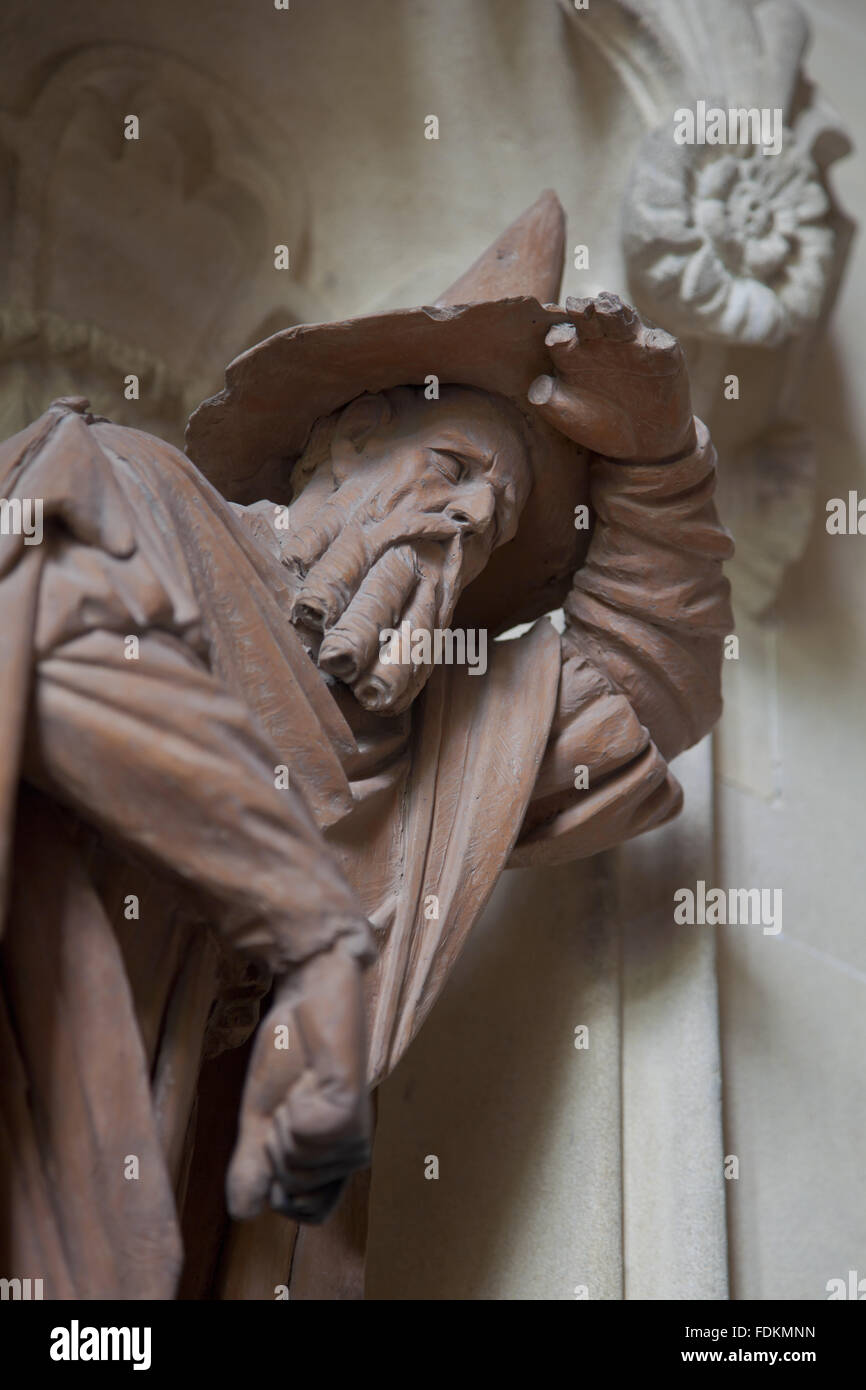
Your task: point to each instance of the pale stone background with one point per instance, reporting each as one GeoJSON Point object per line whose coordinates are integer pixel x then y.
{"type": "Point", "coordinates": [794, 1006]}
{"type": "Point", "coordinates": [528, 1202]}
{"type": "Point", "coordinates": [790, 814]}
{"type": "Point", "coordinates": [558, 1168]}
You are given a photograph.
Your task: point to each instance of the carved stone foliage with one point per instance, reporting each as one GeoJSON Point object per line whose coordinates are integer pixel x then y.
{"type": "Point", "coordinates": [738, 252]}
{"type": "Point", "coordinates": [151, 256]}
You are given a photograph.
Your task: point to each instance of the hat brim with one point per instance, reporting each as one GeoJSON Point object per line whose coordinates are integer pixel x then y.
{"type": "Point", "coordinates": [247, 438]}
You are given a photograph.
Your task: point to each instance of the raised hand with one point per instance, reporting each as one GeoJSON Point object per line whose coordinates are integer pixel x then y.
{"type": "Point", "coordinates": [621, 388]}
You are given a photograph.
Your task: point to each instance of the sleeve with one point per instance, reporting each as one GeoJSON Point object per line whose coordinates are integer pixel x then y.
{"type": "Point", "coordinates": [156, 753]}
{"type": "Point", "coordinates": [162, 760]}
{"type": "Point", "coordinates": [642, 649]}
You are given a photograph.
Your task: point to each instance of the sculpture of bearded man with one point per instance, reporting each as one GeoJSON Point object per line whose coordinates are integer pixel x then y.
{"type": "Point", "coordinates": [224, 784]}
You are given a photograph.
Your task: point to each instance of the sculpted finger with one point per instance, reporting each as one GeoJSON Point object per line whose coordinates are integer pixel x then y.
{"type": "Point", "coordinates": [389, 689]}
{"type": "Point", "coordinates": [250, 1174]}
{"type": "Point", "coordinates": [319, 515]}
{"type": "Point", "coordinates": [618, 321]}
{"type": "Point", "coordinates": [390, 683]}
{"type": "Point", "coordinates": [563, 343]}
{"type": "Point", "coordinates": [303, 1167]}
{"type": "Point", "coordinates": [271, 1073]}
{"type": "Point", "coordinates": [331, 1096]}
{"type": "Point", "coordinates": [595, 424]}
{"type": "Point", "coordinates": [310, 1208]}
{"type": "Point", "coordinates": [353, 641]}
{"type": "Point", "coordinates": [310, 541]}
{"type": "Point", "coordinates": [582, 312]}
{"type": "Point", "coordinates": [564, 407]}
{"type": "Point", "coordinates": [661, 347]}
{"type": "Point", "coordinates": [332, 580]}
{"type": "Point", "coordinates": [274, 1067]}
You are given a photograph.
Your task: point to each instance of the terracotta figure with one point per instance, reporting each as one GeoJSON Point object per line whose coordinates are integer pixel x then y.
{"type": "Point", "coordinates": [223, 780]}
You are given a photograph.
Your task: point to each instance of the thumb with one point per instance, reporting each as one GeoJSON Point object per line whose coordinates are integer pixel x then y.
{"type": "Point", "coordinates": [597, 425]}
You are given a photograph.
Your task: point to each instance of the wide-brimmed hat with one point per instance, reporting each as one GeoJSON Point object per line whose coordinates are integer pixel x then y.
{"type": "Point", "coordinates": [486, 331]}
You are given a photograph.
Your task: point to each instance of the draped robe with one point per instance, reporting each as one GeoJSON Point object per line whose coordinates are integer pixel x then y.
{"type": "Point", "coordinates": [151, 778]}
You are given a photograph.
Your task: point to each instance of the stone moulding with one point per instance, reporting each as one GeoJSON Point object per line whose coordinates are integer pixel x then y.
{"type": "Point", "coordinates": [115, 245]}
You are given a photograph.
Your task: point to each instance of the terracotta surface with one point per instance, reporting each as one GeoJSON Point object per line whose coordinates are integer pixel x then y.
{"type": "Point", "coordinates": [409, 789]}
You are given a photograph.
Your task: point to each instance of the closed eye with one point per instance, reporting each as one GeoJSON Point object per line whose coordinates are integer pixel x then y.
{"type": "Point", "coordinates": [451, 465]}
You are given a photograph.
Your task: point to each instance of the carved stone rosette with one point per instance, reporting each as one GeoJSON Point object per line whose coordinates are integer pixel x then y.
{"type": "Point", "coordinates": [738, 253]}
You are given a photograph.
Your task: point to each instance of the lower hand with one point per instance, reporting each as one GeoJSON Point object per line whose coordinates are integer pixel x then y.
{"type": "Point", "coordinates": [305, 1119]}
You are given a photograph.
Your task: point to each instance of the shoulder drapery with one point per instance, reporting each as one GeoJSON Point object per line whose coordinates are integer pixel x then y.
{"type": "Point", "coordinates": [91, 1128]}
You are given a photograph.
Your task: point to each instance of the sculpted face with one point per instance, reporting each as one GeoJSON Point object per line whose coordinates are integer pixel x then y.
{"type": "Point", "coordinates": [405, 500]}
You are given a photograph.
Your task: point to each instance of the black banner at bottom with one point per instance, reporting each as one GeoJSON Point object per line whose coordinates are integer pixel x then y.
{"type": "Point", "coordinates": [255, 1339]}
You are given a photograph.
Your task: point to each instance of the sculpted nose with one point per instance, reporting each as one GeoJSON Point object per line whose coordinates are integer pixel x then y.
{"type": "Point", "coordinates": [473, 509]}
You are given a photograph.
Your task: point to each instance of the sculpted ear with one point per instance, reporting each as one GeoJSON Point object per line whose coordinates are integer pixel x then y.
{"type": "Point", "coordinates": [360, 419]}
